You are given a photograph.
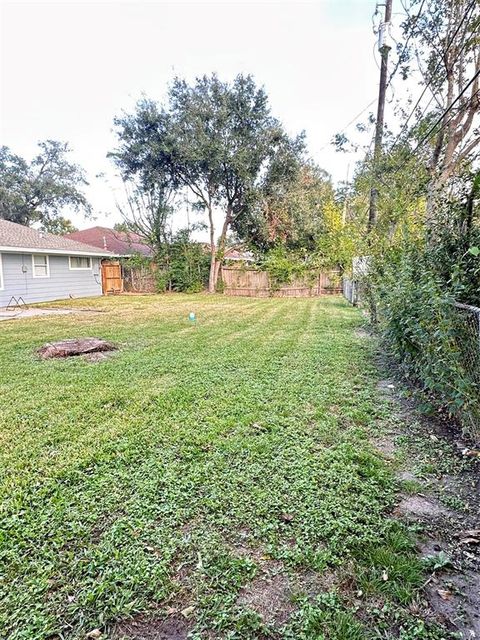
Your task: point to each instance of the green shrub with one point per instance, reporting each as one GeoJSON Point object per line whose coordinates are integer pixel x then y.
{"type": "Point", "coordinates": [188, 265]}
{"type": "Point", "coordinates": [413, 291]}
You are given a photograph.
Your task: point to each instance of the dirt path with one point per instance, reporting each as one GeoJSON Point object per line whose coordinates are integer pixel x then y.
{"type": "Point", "coordinates": [440, 498]}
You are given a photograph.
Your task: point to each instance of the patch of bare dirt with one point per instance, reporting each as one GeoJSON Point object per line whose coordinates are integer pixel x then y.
{"type": "Point", "coordinates": [243, 546]}
{"type": "Point", "coordinates": [313, 583]}
{"type": "Point", "coordinates": [385, 445]}
{"type": "Point", "coordinates": [455, 597]}
{"type": "Point", "coordinates": [174, 627]}
{"type": "Point", "coordinates": [405, 475]}
{"type": "Point", "coordinates": [272, 592]}
{"type": "Point", "coordinates": [417, 506]}
{"type": "Point", "coordinates": [362, 333]}
{"type": "Point", "coordinates": [386, 387]}
{"type": "Point", "coordinates": [449, 514]}
{"type": "Point", "coordinates": [270, 596]}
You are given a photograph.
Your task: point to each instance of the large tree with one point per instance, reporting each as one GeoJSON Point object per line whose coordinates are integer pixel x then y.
{"type": "Point", "coordinates": [445, 47]}
{"type": "Point", "coordinates": [289, 213]}
{"type": "Point", "coordinates": [40, 190]}
{"type": "Point", "coordinates": [217, 139]}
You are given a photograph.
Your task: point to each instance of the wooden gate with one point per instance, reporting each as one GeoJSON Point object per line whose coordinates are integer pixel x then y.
{"type": "Point", "coordinates": [112, 281]}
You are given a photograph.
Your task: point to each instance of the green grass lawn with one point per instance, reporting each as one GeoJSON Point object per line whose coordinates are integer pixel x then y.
{"type": "Point", "coordinates": [221, 468]}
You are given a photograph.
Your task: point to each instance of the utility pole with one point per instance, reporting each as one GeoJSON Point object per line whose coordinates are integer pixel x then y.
{"type": "Point", "coordinates": [345, 202]}
{"type": "Point", "coordinates": [384, 46]}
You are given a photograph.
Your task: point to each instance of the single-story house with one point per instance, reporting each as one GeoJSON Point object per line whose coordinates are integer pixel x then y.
{"type": "Point", "coordinates": [134, 277]}
{"type": "Point", "coordinates": [38, 266]}
{"type": "Point", "coordinates": [238, 254]}
{"type": "Point", "coordinates": [122, 243]}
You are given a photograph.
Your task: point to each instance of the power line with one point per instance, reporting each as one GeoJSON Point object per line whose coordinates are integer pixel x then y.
{"type": "Point", "coordinates": [439, 120]}
{"type": "Point", "coordinates": [389, 80]}
{"type": "Point", "coordinates": [350, 123]}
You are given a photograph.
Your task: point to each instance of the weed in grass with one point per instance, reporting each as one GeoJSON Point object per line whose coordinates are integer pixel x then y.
{"type": "Point", "coordinates": [411, 487]}
{"type": "Point", "coordinates": [325, 618]}
{"type": "Point", "coordinates": [437, 561]}
{"type": "Point", "coordinates": [453, 502]}
{"type": "Point", "coordinates": [390, 569]}
{"type": "Point", "coordinates": [420, 630]}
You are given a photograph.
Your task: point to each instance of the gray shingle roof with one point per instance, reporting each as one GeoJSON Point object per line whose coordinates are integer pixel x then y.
{"type": "Point", "coordinates": [17, 236]}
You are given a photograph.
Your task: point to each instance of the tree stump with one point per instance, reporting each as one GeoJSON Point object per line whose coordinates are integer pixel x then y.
{"type": "Point", "coordinates": [74, 347]}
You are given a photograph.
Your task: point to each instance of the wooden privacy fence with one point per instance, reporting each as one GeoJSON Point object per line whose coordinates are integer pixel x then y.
{"type": "Point", "coordinates": [257, 284]}
{"type": "Point", "coordinates": [139, 278]}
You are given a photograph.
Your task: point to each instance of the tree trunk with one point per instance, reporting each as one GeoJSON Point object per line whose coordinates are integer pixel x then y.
{"type": "Point", "coordinates": [212, 282]}
{"type": "Point", "coordinates": [217, 254]}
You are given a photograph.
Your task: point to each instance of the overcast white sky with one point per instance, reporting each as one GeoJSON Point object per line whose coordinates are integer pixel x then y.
{"type": "Point", "coordinates": [67, 68]}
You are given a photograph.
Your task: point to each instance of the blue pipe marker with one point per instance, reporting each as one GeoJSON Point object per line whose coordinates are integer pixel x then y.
{"type": "Point", "coordinates": [191, 316]}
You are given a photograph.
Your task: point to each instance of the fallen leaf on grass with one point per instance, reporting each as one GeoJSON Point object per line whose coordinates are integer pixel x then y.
{"type": "Point", "coordinates": [286, 517]}
{"type": "Point", "coordinates": [187, 612]}
{"type": "Point", "coordinates": [469, 536]}
{"type": "Point", "coordinates": [445, 594]}
{"type": "Point", "coordinates": [95, 633]}
{"type": "Point", "coordinates": [471, 453]}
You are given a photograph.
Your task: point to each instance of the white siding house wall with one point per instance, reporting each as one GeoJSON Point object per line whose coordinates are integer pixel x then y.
{"type": "Point", "coordinates": [62, 282]}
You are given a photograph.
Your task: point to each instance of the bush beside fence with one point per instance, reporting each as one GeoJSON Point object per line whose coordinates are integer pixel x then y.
{"type": "Point", "coordinates": [435, 339]}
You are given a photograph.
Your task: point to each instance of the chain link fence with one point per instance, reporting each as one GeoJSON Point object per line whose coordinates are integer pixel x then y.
{"type": "Point", "coordinates": [467, 332]}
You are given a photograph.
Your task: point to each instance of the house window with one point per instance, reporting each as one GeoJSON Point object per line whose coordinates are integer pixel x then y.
{"type": "Point", "coordinates": [1, 273]}
{"type": "Point", "coordinates": [80, 262]}
{"type": "Point", "coordinates": [40, 266]}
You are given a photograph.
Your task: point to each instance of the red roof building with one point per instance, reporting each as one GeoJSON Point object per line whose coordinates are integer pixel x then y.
{"type": "Point", "coordinates": [122, 243]}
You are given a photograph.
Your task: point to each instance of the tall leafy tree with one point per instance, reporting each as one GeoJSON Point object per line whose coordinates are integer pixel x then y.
{"type": "Point", "coordinates": [290, 212]}
{"type": "Point", "coordinates": [215, 138]}
{"type": "Point", "coordinates": [40, 190]}
{"type": "Point", "coordinates": [444, 45]}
